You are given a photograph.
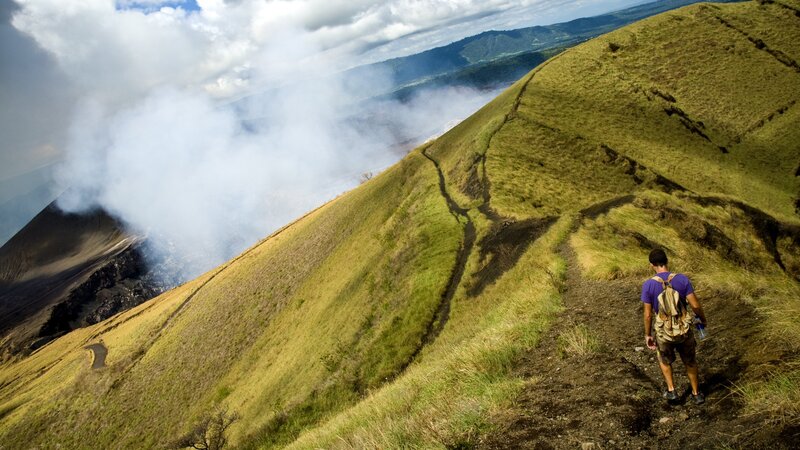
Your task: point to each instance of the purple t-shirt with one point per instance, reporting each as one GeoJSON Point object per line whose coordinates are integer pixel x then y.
{"type": "Point", "coordinates": [651, 288]}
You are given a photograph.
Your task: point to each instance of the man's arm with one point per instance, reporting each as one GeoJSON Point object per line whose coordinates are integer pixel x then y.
{"type": "Point", "coordinates": [698, 310]}
{"type": "Point", "coordinates": [648, 323]}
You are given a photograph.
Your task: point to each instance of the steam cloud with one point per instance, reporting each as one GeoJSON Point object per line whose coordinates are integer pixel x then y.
{"type": "Point", "coordinates": [203, 181]}
{"type": "Point", "coordinates": [154, 144]}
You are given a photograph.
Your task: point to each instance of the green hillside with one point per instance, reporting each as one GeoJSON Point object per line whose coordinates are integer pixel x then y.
{"type": "Point", "coordinates": [420, 309]}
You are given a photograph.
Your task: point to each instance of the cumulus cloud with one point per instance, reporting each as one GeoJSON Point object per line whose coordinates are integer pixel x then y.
{"type": "Point", "coordinates": [117, 50]}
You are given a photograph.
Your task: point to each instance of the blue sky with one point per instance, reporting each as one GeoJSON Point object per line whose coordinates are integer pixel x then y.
{"type": "Point", "coordinates": [150, 6]}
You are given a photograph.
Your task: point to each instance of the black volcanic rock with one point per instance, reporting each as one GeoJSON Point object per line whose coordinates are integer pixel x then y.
{"type": "Point", "coordinates": [119, 285]}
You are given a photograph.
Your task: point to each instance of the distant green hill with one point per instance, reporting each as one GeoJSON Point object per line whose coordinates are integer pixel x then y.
{"type": "Point", "coordinates": [497, 58]}
{"type": "Point", "coordinates": [401, 314]}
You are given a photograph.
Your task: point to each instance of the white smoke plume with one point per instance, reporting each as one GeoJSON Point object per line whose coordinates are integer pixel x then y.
{"type": "Point", "coordinates": [203, 180]}
{"type": "Point", "coordinates": [152, 141]}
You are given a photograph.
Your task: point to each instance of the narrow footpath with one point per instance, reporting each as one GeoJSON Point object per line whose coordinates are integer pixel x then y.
{"type": "Point", "coordinates": [439, 319]}
{"type": "Point", "coordinates": [99, 353]}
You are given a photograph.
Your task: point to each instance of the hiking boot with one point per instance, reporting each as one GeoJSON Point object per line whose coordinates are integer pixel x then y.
{"type": "Point", "coordinates": [699, 399]}
{"type": "Point", "coordinates": [670, 396]}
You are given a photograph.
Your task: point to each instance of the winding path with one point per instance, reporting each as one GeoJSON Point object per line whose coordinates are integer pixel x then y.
{"type": "Point", "coordinates": [443, 312]}
{"type": "Point", "coordinates": [99, 353]}
{"type": "Point", "coordinates": [461, 214]}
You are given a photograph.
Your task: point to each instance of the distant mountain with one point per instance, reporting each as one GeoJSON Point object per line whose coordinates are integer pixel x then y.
{"type": "Point", "coordinates": [494, 58]}
{"type": "Point", "coordinates": [490, 75]}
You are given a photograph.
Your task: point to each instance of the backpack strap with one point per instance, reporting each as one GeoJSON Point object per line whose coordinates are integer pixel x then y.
{"type": "Point", "coordinates": [658, 278]}
{"type": "Point", "coordinates": [670, 277]}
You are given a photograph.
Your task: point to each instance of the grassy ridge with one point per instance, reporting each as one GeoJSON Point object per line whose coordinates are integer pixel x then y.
{"type": "Point", "coordinates": [447, 400]}
{"type": "Point", "coordinates": [602, 120]}
{"type": "Point", "coordinates": [317, 336]}
{"type": "Point", "coordinates": [345, 272]}
{"type": "Point", "coordinates": [667, 108]}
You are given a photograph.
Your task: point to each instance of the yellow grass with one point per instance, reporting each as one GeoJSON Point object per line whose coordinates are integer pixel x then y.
{"type": "Point", "coordinates": [578, 340]}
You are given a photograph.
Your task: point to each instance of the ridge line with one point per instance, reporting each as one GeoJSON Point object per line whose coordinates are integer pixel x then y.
{"type": "Point", "coordinates": [486, 208]}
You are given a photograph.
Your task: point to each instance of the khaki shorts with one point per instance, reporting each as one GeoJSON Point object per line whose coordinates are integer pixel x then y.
{"type": "Point", "coordinates": [687, 350]}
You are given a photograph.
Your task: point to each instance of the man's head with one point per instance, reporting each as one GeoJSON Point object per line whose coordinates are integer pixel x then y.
{"type": "Point", "coordinates": [658, 258]}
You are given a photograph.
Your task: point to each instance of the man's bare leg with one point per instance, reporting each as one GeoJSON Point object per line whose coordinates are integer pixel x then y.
{"type": "Point", "coordinates": [691, 372]}
{"type": "Point", "coordinates": [666, 369]}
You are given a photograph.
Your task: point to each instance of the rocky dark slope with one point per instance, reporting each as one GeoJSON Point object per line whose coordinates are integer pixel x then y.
{"type": "Point", "coordinates": [64, 271]}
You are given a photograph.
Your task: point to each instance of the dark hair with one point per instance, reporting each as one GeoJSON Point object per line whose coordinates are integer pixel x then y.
{"type": "Point", "coordinates": [658, 257]}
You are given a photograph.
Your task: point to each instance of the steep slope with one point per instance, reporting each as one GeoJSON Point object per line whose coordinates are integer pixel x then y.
{"type": "Point", "coordinates": [350, 272]}
{"type": "Point", "coordinates": [409, 312]}
{"type": "Point", "coordinates": [710, 110]}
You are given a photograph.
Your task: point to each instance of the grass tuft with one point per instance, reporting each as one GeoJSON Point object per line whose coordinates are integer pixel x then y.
{"type": "Point", "coordinates": [777, 397]}
{"type": "Point", "coordinates": [578, 340]}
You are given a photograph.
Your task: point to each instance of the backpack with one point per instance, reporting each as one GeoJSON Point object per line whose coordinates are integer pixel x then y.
{"type": "Point", "coordinates": [674, 319]}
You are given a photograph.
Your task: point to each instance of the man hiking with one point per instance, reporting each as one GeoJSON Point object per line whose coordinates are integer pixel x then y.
{"type": "Point", "coordinates": [670, 330]}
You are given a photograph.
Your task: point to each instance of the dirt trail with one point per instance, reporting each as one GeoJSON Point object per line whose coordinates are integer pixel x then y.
{"type": "Point", "coordinates": [500, 248]}
{"type": "Point", "coordinates": [99, 353]}
{"type": "Point", "coordinates": [439, 319]}
{"type": "Point", "coordinates": [612, 398]}
{"type": "Point", "coordinates": [483, 185]}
